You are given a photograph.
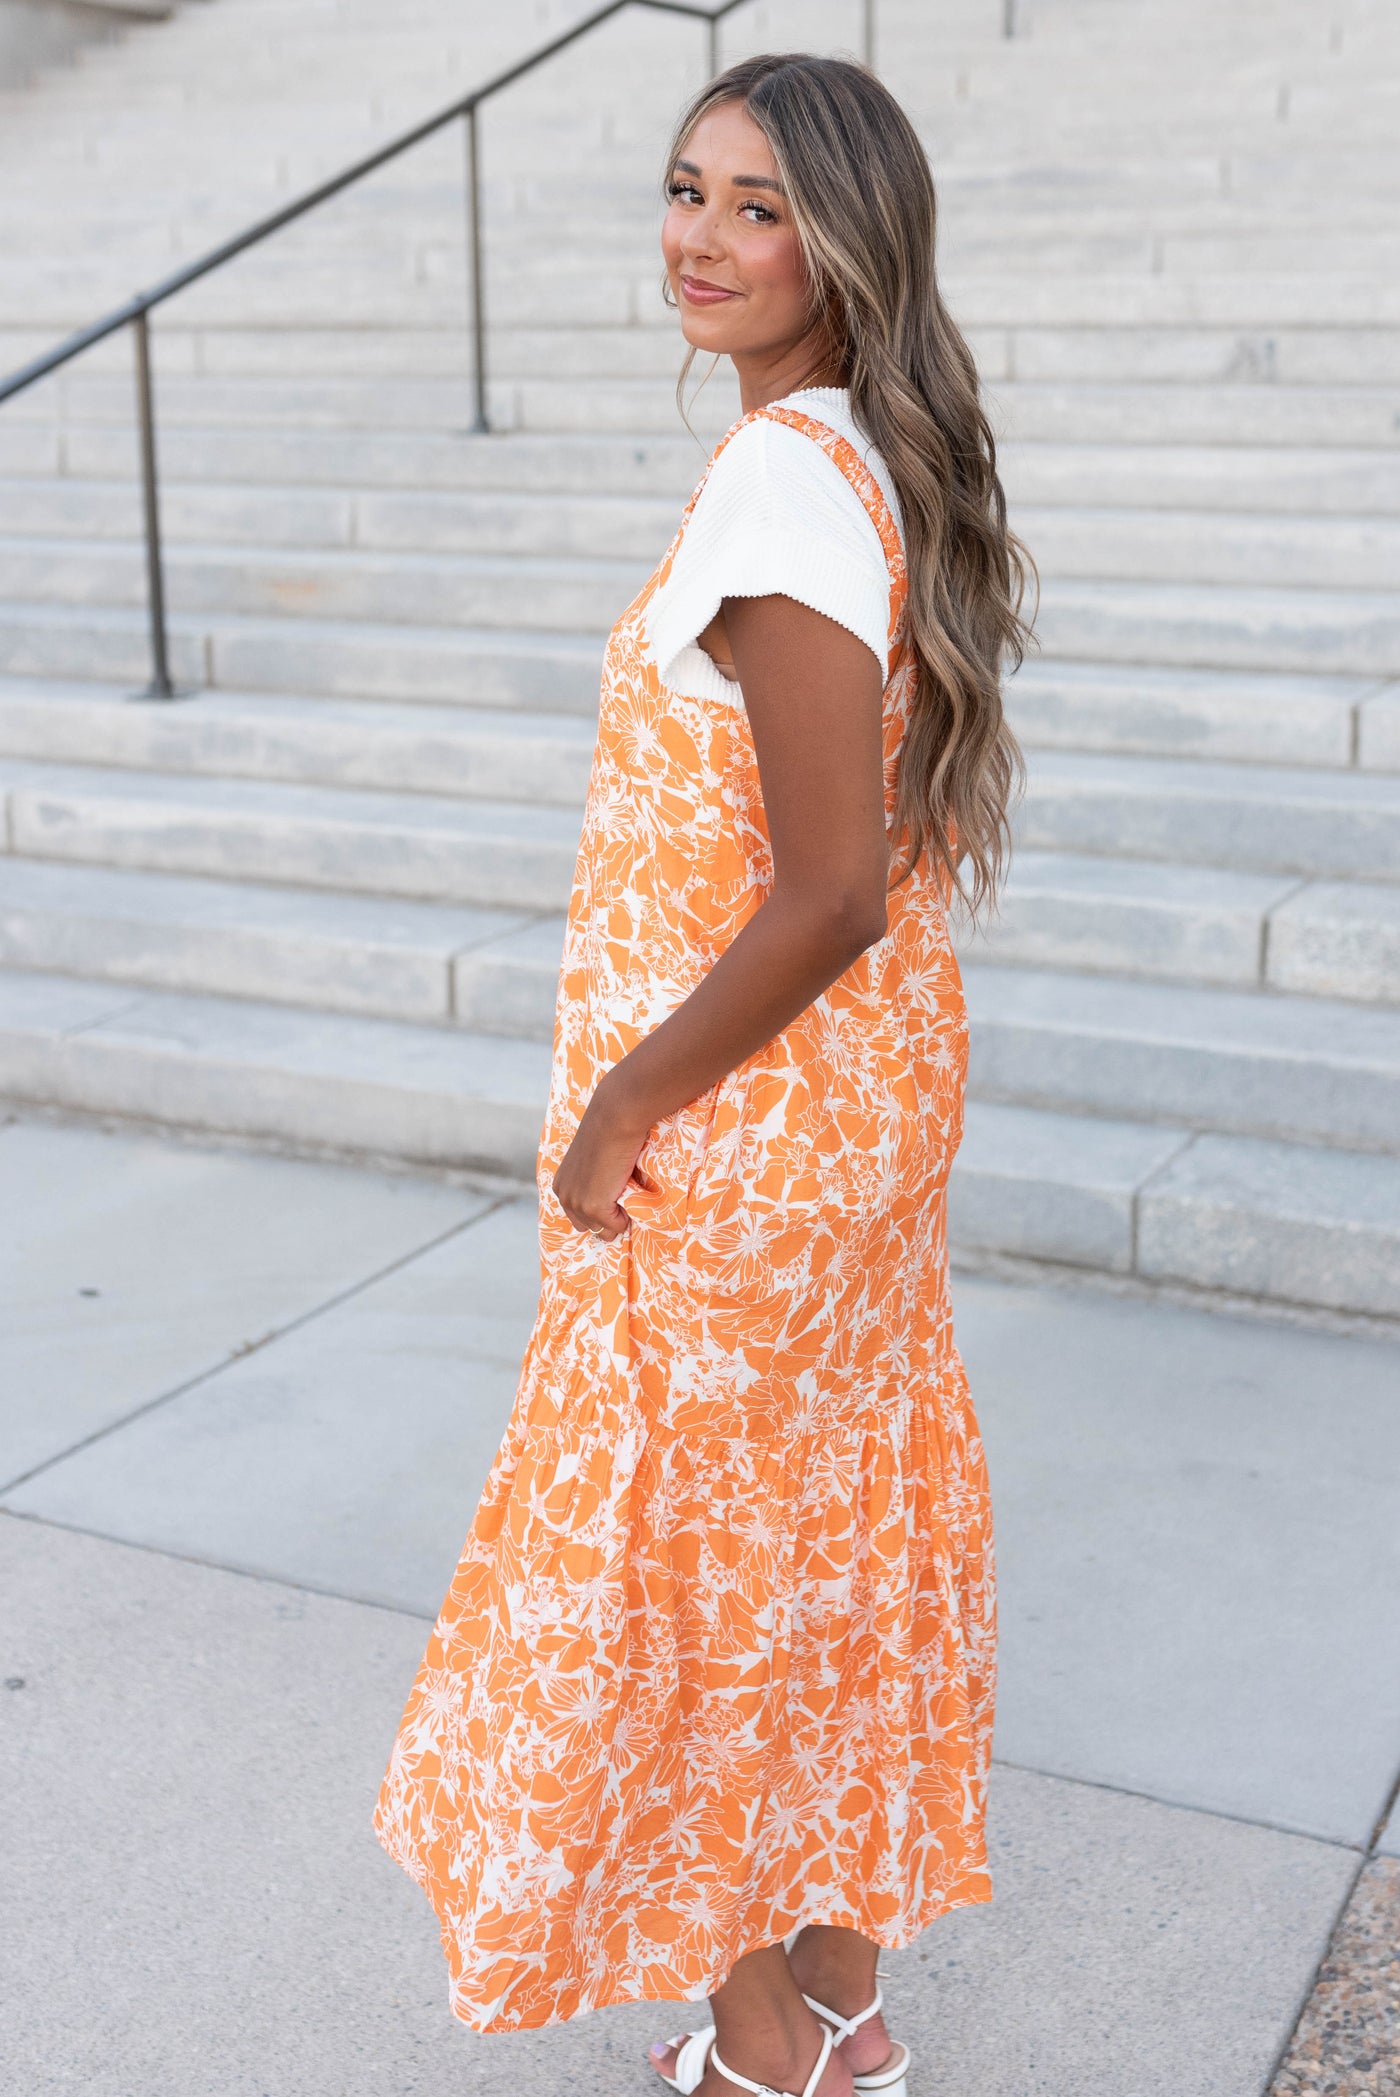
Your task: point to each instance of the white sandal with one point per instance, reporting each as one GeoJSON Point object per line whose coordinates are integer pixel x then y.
{"type": "Point", "coordinates": [699, 2050]}
{"type": "Point", "coordinates": [889, 2081]}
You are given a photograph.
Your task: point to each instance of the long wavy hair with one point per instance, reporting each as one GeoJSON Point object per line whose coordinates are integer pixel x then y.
{"type": "Point", "coordinates": [858, 185]}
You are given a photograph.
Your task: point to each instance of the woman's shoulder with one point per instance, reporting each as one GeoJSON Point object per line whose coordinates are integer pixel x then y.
{"type": "Point", "coordinates": [782, 461]}
{"type": "Point", "coordinates": [784, 474]}
{"type": "Point", "coordinates": [759, 453]}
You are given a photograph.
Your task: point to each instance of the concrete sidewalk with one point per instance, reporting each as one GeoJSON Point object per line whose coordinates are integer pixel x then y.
{"type": "Point", "coordinates": [246, 1405]}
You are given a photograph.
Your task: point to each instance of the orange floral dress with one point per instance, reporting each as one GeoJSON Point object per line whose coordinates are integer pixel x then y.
{"type": "Point", "coordinates": [718, 1657]}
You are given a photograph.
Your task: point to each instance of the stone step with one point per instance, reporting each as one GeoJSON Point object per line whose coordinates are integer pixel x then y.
{"type": "Point", "coordinates": [52, 641]}
{"type": "Point", "coordinates": [380, 1088]}
{"type": "Point", "coordinates": [1276, 1220]}
{"type": "Point", "coordinates": [1068, 912]}
{"type": "Point", "coordinates": [1352, 633]}
{"type": "Point", "coordinates": [1058, 412]}
{"type": "Point", "coordinates": [75, 396]}
{"type": "Point", "coordinates": [559, 285]}
{"type": "Point", "coordinates": [1142, 130]}
{"type": "Point", "coordinates": [1248, 716]}
{"type": "Point", "coordinates": [965, 73]}
{"type": "Point", "coordinates": [1215, 269]}
{"type": "Point", "coordinates": [1316, 481]}
{"type": "Point", "coordinates": [1345, 356]}
{"type": "Point", "coordinates": [1081, 706]}
{"type": "Point", "coordinates": [1306, 356]}
{"type": "Point", "coordinates": [1330, 481]}
{"type": "Point", "coordinates": [1146, 152]}
{"type": "Point", "coordinates": [1273, 415]}
{"type": "Point", "coordinates": [1253, 819]}
{"type": "Point", "coordinates": [494, 523]}
{"type": "Point", "coordinates": [1134, 544]}
{"type": "Point", "coordinates": [333, 952]}
{"type": "Point", "coordinates": [418, 846]}
{"type": "Point", "coordinates": [1063, 1187]}
{"type": "Point", "coordinates": [1180, 242]}
{"type": "Point", "coordinates": [284, 289]}
{"type": "Point", "coordinates": [479, 753]}
{"type": "Point", "coordinates": [26, 450]}
{"type": "Point", "coordinates": [337, 658]}
{"type": "Point", "coordinates": [1065, 910]}
{"type": "Point", "coordinates": [1194, 625]}
{"type": "Point", "coordinates": [411, 461]}
{"type": "Point", "coordinates": [1202, 924]}
{"type": "Point", "coordinates": [980, 179]}
{"type": "Point", "coordinates": [238, 515]}
{"type": "Point", "coordinates": [1285, 1222]}
{"type": "Point", "coordinates": [1238, 1062]}
{"type": "Point", "coordinates": [1268, 415]}
{"type": "Point", "coordinates": [408, 589]}
{"type": "Point", "coordinates": [1347, 554]}
{"type": "Point", "coordinates": [1127, 145]}
{"type": "Point", "coordinates": [1332, 227]}
{"type": "Point", "coordinates": [418, 231]}
{"type": "Point", "coordinates": [1337, 939]}
{"type": "Point", "coordinates": [422, 370]}
{"type": "Point", "coordinates": [510, 987]}
{"type": "Point", "coordinates": [1303, 356]}
{"type": "Point", "coordinates": [431, 36]}
{"type": "Point", "coordinates": [1128, 709]}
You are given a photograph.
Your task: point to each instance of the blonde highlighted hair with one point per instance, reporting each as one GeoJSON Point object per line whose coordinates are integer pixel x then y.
{"type": "Point", "coordinates": [858, 185]}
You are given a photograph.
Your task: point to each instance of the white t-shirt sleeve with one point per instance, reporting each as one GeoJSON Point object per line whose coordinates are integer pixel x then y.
{"type": "Point", "coordinates": [776, 518]}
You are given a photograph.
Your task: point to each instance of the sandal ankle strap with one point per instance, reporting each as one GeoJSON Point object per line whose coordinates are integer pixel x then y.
{"type": "Point", "coordinates": [763, 2089]}
{"type": "Point", "coordinates": [844, 2026]}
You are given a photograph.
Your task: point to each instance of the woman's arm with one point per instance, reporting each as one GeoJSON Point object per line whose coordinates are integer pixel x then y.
{"type": "Point", "coordinates": [813, 694]}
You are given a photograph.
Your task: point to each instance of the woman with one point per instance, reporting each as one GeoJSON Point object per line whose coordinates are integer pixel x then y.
{"type": "Point", "coordinates": [716, 1668]}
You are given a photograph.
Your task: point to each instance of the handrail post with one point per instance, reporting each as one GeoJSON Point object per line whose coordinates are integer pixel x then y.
{"type": "Point", "coordinates": [714, 46]}
{"type": "Point", "coordinates": [868, 35]}
{"type": "Point", "coordinates": [475, 290]}
{"type": "Point", "coordinates": [1008, 17]}
{"type": "Point", "coordinates": [161, 686]}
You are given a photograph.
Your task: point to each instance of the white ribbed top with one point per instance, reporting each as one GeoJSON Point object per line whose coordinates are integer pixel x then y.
{"type": "Point", "coordinates": [776, 518]}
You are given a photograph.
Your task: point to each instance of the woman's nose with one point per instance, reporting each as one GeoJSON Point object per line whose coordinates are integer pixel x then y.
{"type": "Point", "coordinates": [700, 240]}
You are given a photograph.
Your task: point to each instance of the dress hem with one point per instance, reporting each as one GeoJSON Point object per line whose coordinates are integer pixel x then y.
{"type": "Point", "coordinates": [891, 1940]}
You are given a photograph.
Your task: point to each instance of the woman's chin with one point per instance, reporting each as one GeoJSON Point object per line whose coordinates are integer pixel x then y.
{"type": "Point", "coordinates": [707, 336]}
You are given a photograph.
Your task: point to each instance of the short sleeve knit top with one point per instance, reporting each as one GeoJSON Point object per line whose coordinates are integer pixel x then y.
{"type": "Point", "coordinates": [776, 518]}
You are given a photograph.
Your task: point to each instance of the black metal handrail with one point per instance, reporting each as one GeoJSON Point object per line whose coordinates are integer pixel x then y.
{"type": "Point", "coordinates": [135, 313]}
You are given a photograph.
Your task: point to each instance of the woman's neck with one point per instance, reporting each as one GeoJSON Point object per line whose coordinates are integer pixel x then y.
{"type": "Point", "coordinates": [764, 379]}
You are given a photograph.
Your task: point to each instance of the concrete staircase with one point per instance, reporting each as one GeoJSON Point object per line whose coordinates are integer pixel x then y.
{"type": "Point", "coordinates": [318, 903]}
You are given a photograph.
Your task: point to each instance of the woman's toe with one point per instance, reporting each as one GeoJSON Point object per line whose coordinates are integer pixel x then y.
{"type": "Point", "coordinates": [663, 2053]}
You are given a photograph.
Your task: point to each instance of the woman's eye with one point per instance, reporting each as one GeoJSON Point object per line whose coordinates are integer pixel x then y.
{"type": "Point", "coordinates": [765, 216]}
{"type": "Point", "coordinates": [687, 190]}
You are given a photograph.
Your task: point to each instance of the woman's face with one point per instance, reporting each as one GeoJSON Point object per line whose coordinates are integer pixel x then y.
{"type": "Point", "coordinates": [732, 253]}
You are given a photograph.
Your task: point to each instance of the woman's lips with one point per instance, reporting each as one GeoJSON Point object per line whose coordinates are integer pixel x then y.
{"type": "Point", "coordinates": [698, 293]}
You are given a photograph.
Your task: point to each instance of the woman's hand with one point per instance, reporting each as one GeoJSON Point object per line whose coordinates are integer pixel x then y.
{"type": "Point", "coordinates": [597, 1165]}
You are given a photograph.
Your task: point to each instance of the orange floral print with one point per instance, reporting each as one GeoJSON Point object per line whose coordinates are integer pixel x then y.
{"type": "Point", "coordinates": [718, 1657]}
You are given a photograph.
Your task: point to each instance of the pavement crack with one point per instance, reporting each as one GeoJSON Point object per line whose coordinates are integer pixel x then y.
{"type": "Point", "coordinates": [244, 1348]}
{"type": "Point", "coordinates": [1183, 1805]}
{"type": "Point", "coordinates": [257, 1574]}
